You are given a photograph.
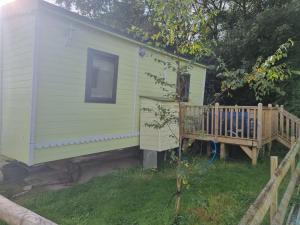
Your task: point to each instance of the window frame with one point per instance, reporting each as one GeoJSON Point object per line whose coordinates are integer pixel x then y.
{"type": "Point", "coordinates": [180, 95]}
{"type": "Point", "coordinates": [91, 54]}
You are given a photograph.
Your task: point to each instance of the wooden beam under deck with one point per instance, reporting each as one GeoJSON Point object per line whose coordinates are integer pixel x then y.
{"type": "Point", "coordinates": [225, 140]}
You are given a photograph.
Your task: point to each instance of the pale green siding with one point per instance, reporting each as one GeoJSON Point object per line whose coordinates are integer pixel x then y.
{"type": "Point", "coordinates": [157, 139]}
{"type": "Point", "coordinates": [44, 115]}
{"type": "Point", "coordinates": [17, 72]}
{"type": "Point", "coordinates": [65, 124]}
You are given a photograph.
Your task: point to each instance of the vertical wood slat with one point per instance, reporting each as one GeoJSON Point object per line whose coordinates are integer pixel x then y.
{"type": "Point", "coordinates": [255, 123]}
{"type": "Point", "coordinates": [236, 120]}
{"type": "Point", "coordinates": [243, 118]}
{"type": "Point", "coordinates": [259, 125]}
{"type": "Point", "coordinates": [287, 122]}
{"type": "Point", "coordinates": [207, 120]}
{"type": "Point", "coordinates": [292, 128]}
{"type": "Point", "coordinates": [212, 121]}
{"type": "Point", "coordinates": [202, 116]}
{"type": "Point", "coordinates": [248, 124]}
{"type": "Point", "coordinates": [281, 122]}
{"type": "Point", "coordinates": [270, 121]}
{"type": "Point", "coordinates": [195, 120]}
{"type": "Point", "coordinates": [221, 122]}
{"type": "Point", "coordinates": [226, 118]}
{"type": "Point", "coordinates": [231, 119]}
{"type": "Point", "coordinates": [216, 119]}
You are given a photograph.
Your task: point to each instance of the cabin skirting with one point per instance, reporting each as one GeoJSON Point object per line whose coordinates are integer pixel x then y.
{"type": "Point", "coordinates": [84, 140]}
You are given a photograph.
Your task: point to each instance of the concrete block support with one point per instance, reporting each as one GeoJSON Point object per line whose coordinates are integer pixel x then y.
{"type": "Point", "coordinates": [150, 159]}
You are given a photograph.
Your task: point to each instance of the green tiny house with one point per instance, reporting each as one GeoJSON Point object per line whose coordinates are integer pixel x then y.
{"type": "Point", "coordinates": [52, 105]}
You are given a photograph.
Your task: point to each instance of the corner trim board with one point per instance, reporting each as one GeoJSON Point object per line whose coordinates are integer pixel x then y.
{"type": "Point", "coordinates": [84, 140]}
{"type": "Point", "coordinates": [34, 91]}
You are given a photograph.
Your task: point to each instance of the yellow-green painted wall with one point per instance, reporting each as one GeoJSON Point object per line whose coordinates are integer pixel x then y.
{"type": "Point", "coordinates": [63, 117]}
{"type": "Point", "coordinates": [44, 77]}
{"type": "Point", "coordinates": [17, 50]}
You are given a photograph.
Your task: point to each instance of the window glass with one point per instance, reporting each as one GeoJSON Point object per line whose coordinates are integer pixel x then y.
{"type": "Point", "coordinates": [101, 79]}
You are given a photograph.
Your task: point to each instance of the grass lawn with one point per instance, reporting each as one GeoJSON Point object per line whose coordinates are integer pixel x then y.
{"type": "Point", "coordinates": [221, 195]}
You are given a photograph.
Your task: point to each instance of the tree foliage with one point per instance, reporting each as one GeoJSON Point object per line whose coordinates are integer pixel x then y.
{"type": "Point", "coordinates": [119, 14]}
{"type": "Point", "coordinates": [244, 32]}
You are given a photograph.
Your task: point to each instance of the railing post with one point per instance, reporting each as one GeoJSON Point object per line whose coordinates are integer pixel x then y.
{"type": "Point", "coordinates": [271, 119]}
{"type": "Point", "coordinates": [281, 122]}
{"type": "Point", "coordinates": [274, 199]}
{"type": "Point", "coordinates": [216, 119]}
{"type": "Point", "coordinates": [277, 120]}
{"type": "Point", "coordinates": [259, 125]}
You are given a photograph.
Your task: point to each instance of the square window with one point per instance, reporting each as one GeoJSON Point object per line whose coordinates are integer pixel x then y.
{"type": "Point", "coordinates": [183, 87]}
{"type": "Point", "coordinates": [101, 77]}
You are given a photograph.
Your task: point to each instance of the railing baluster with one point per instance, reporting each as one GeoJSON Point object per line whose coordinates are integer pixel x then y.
{"type": "Point", "coordinates": [207, 120]}
{"type": "Point", "coordinates": [226, 118]}
{"type": "Point", "coordinates": [243, 117]}
{"type": "Point", "coordinates": [248, 123]}
{"type": "Point", "coordinates": [216, 123]}
{"type": "Point", "coordinates": [221, 122]}
{"type": "Point", "coordinates": [287, 122]}
{"type": "Point", "coordinates": [255, 123]}
{"type": "Point", "coordinates": [231, 119]}
{"type": "Point", "coordinates": [202, 125]}
{"type": "Point", "coordinates": [281, 120]}
{"type": "Point", "coordinates": [236, 121]}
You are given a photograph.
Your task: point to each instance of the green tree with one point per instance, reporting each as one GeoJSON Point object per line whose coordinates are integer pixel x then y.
{"type": "Point", "coordinates": [244, 31]}
{"type": "Point", "coordinates": [118, 14]}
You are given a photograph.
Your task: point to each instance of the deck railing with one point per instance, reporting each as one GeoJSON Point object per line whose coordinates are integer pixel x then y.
{"type": "Point", "coordinates": [288, 125]}
{"type": "Point", "coordinates": [258, 124]}
{"type": "Point", "coordinates": [268, 198]}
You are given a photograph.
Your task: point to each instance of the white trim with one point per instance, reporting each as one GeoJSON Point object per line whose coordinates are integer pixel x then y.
{"type": "Point", "coordinates": [84, 140]}
{"type": "Point", "coordinates": [34, 90]}
{"type": "Point", "coordinates": [135, 89]}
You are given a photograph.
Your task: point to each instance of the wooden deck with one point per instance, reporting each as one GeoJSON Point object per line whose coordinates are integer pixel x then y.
{"type": "Point", "coordinates": [250, 127]}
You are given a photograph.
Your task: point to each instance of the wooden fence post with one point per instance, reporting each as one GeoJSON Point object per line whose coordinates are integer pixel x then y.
{"type": "Point", "coordinates": [274, 200]}
{"type": "Point", "coordinates": [14, 214]}
{"type": "Point", "coordinates": [259, 125]}
{"type": "Point", "coordinates": [216, 119]}
{"type": "Point", "coordinates": [272, 127]}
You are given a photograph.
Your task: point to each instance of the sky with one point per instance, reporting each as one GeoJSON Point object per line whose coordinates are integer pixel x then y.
{"type": "Point", "coordinates": [51, 1]}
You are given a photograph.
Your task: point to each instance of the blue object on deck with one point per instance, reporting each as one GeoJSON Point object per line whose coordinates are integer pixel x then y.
{"type": "Point", "coordinates": [214, 147]}
{"type": "Point", "coordinates": [238, 118]}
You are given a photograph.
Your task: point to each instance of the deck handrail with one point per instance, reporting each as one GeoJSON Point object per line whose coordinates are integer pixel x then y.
{"type": "Point", "coordinates": [267, 199]}
{"type": "Point", "coordinates": [240, 122]}
{"type": "Point", "coordinates": [261, 124]}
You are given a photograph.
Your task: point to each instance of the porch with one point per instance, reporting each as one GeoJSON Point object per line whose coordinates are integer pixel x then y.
{"type": "Point", "coordinates": [250, 127]}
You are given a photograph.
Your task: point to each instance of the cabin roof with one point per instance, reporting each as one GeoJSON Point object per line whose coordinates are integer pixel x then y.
{"type": "Point", "coordinates": [105, 28]}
